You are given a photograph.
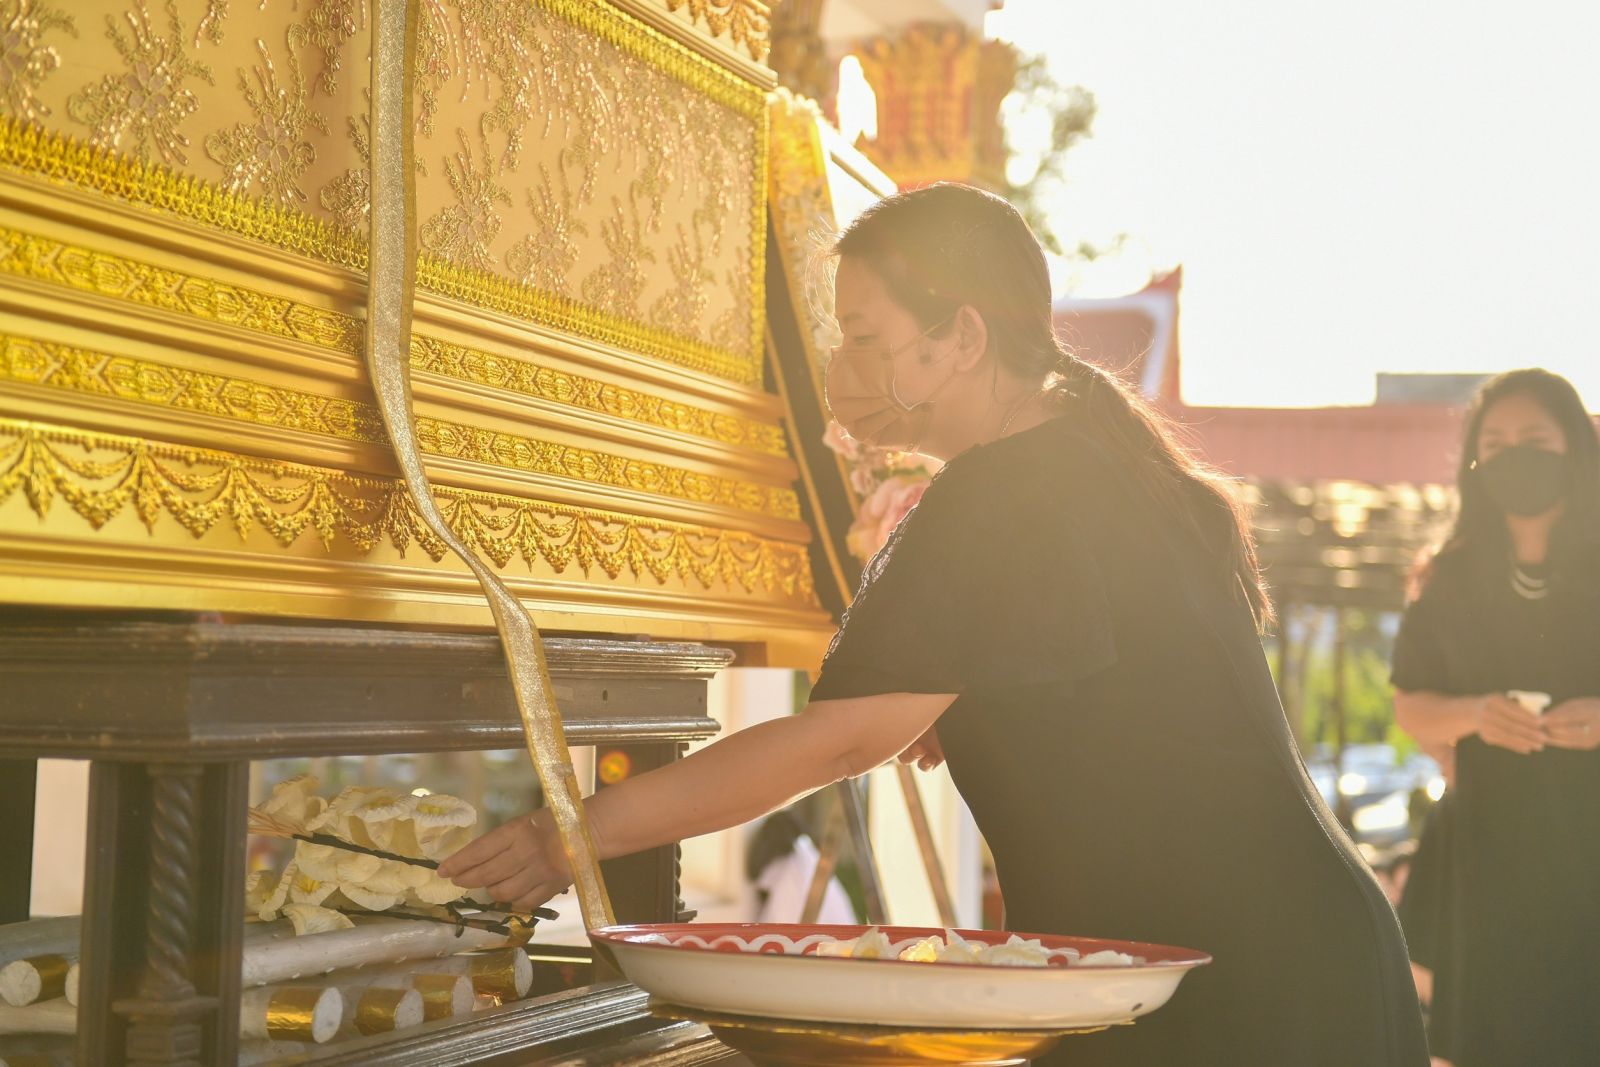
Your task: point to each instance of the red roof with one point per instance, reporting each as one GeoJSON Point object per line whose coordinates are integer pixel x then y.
{"type": "Point", "coordinates": [1381, 445]}
{"type": "Point", "coordinates": [1136, 336]}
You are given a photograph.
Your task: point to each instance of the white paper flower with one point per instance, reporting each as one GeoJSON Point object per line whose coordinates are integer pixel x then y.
{"type": "Point", "coordinates": [391, 878]}
{"type": "Point", "coordinates": [438, 812]}
{"type": "Point", "coordinates": [295, 800]}
{"type": "Point", "coordinates": [399, 835]}
{"type": "Point", "coordinates": [928, 950]}
{"type": "Point", "coordinates": [959, 949]}
{"type": "Point", "coordinates": [872, 945]}
{"type": "Point", "coordinates": [1016, 953]}
{"type": "Point", "coordinates": [446, 843]}
{"type": "Point", "coordinates": [436, 890]}
{"type": "Point", "coordinates": [330, 864]}
{"type": "Point", "coordinates": [363, 897]}
{"type": "Point", "coordinates": [305, 889]}
{"type": "Point", "coordinates": [359, 815]}
{"type": "Point", "coordinates": [310, 919]}
{"type": "Point", "coordinates": [279, 895]}
{"type": "Point", "coordinates": [258, 887]}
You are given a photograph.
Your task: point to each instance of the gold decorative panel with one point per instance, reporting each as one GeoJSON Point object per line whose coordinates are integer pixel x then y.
{"type": "Point", "coordinates": [575, 167]}
{"type": "Point", "coordinates": [185, 417]}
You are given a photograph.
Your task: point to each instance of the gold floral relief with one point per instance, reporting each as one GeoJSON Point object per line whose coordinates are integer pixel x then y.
{"type": "Point", "coordinates": [37, 362]}
{"type": "Point", "coordinates": [41, 259]}
{"type": "Point", "coordinates": [100, 476]}
{"type": "Point", "coordinates": [463, 231]}
{"type": "Point", "coordinates": [145, 104]}
{"type": "Point", "coordinates": [269, 152]}
{"type": "Point", "coordinates": [803, 214]}
{"type": "Point", "coordinates": [577, 168]}
{"type": "Point", "coordinates": [745, 22]}
{"type": "Point", "coordinates": [27, 56]}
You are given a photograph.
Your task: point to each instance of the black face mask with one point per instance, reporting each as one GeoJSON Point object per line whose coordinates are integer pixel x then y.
{"type": "Point", "coordinates": [1523, 479]}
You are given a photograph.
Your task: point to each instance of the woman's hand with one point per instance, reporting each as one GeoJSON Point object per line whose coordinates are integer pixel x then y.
{"type": "Point", "coordinates": [925, 751]}
{"type": "Point", "coordinates": [520, 862]}
{"type": "Point", "coordinates": [1574, 724]}
{"type": "Point", "coordinates": [1505, 723]}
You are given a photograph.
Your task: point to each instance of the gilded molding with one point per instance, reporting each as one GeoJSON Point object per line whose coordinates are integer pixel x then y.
{"type": "Point", "coordinates": [668, 56]}
{"type": "Point", "coordinates": [44, 259]}
{"type": "Point", "coordinates": [745, 22]}
{"type": "Point", "coordinates": [546, 383]}
{"type": "Point", "coordinates": [31, 361]}
{"type": "Point", "coordinates": [100, 476]}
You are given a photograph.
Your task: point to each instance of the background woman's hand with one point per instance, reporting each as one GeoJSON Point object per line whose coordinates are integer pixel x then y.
{"type": "Point", "coordinates": [925, 751]}
{"type": "Point", "coordinates": [1574, 724]}
{"type": "Point", "coordinates": [520, 862]}
{"type": "Point", "coordinates": [1505, 723]}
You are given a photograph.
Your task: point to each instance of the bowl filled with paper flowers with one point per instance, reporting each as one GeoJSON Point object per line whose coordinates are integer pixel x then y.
{"type": "Point", "coordinates": [899, 976]}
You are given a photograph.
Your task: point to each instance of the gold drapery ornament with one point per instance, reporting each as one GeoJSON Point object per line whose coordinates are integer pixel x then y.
{"type": "Point", "coordinates": [391, 282]}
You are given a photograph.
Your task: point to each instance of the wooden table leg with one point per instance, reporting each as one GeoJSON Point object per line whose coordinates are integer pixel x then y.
{"type": "Point", "coordinates": [19, 780]}
{"type": "Point", "coordinates": [644, 886]}
{"type": "Point", "coordinates": [163, 914]}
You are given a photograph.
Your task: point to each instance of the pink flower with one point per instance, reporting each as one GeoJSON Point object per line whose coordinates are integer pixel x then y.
{"type": "Point", "coordinates": [839, 441]}
{"type": "Point", "coordinates": [883, 510]}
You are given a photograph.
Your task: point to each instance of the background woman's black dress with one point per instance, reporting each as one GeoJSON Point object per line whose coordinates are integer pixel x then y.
{"type": "Point", "coordinates": [1121, 745]}
{"type": "Point", "coordinates": [1517, 957]}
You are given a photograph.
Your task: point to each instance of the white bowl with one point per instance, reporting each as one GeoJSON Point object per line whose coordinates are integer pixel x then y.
{"type": "Point", "coordinates": [772, 971]}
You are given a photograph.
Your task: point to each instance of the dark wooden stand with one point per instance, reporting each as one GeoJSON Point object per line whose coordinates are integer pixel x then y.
{"type": "Point", "coordinates": [170, 713]}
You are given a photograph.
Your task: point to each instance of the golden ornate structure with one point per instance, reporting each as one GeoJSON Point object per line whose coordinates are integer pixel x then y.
{"type": "Point", "coordinates": [939, 88]}
{"type": "Point", "coordinates": [184, 196]}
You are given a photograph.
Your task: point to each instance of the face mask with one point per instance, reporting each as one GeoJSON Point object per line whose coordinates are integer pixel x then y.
{"type": "Point", "coordinates": [1523, 479]}
{"type": "Point", "coordinates": [863, 395]}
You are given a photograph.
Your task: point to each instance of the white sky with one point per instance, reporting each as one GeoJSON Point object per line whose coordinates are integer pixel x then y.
{"type": "Point", "coordinates": [1350, 185]}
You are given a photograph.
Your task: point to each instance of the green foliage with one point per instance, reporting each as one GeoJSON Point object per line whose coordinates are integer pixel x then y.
{"type": "Point", "coordinates": [1042, 120]}
{"type": "Point", "coordinates": [1368, 699]}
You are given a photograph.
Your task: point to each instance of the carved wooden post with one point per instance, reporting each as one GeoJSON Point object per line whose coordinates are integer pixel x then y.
{"type": "Point", "coordinates": [166, 1019]}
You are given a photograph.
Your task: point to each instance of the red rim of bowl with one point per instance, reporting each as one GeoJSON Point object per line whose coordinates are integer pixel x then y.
{"type": "Point", "coordinates": [621, 934]}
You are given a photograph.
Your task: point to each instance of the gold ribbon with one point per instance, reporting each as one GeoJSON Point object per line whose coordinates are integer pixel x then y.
{"type": "Point", "coordinates": [392, 275]}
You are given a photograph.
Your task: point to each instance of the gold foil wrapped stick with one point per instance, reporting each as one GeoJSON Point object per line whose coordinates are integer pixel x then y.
{"type": "Point", "coordinates": [391, 282]}
{"type": "Point", "coordinates": [291, 1013]}
{"type": "Point", "coordinates": [380, 1010]}
{"type": "Point", "coordinates": [35, 978]}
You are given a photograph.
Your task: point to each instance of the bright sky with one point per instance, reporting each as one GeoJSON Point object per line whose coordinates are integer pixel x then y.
{"type": "Point", "coordinates": [1351, 187]}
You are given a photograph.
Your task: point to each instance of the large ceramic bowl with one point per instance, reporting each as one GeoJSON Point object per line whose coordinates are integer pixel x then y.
{"type": "Point", "coordinates": [774, 971]}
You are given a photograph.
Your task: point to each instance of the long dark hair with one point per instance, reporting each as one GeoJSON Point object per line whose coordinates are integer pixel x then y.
{"type": "Point", "coordinates": [1479, 541]}
{"type": "Point", "coordinates": [944, 246]}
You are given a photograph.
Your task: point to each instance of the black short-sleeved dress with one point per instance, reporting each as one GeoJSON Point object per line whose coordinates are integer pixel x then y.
{"type": "Point", "coordinates": [1120, 743]}
{"type": "Point", "coordinates": [1517, 957]}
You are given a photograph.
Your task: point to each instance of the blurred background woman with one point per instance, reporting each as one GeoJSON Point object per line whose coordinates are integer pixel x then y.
{"type": "Point", "coordinates": [1509, 614]}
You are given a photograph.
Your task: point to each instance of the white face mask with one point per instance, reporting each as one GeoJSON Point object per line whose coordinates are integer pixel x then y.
{"type": "Point", "coordinates": [863, 394]}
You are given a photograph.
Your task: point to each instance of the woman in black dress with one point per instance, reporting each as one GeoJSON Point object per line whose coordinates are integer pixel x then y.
{"type": "Point", "coordinates": [1070, 616]}
{"type": "Point", "coordinates": [1512, 603]}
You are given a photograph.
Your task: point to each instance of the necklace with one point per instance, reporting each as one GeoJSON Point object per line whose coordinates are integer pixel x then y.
{"type": "Point", "coordinates": [1017, 410]}
{"type": "Point", "coordinates": [1528, 586]}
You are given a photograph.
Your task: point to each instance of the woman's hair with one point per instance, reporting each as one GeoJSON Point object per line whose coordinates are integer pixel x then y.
{"type": "Point", "coordinates": [946, 246]}
{"type": "Point", "coordinates": [1479, 538]}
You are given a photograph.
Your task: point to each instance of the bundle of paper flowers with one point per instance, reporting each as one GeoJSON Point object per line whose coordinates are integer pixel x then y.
{"type": "Point", "coordinates": [322, 882]}
{"type": "Point", "coordinates": [887, 485]}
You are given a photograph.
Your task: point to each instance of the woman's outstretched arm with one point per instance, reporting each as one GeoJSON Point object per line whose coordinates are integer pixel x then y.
{"type": "Point", "coordinates": [739, 778]}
